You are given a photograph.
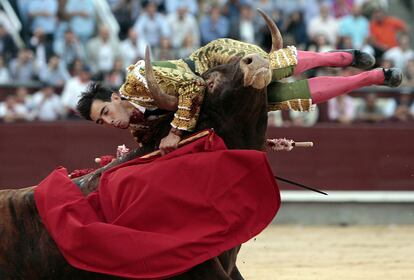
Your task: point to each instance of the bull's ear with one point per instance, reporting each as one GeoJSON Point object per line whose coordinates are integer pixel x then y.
{"type": "Point", "coordinates": [277, 40]}
{"type": "Point", "coordinates": [164, 101]}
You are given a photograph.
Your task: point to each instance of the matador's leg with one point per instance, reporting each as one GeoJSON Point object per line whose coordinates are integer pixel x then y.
{"type": "Point", "coordinates": [300, 95]}
{"type": "Point", "coordinates": [309, 60]}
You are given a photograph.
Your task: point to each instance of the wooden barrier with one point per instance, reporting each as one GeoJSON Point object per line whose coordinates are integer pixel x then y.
{"type": "Point", "coordinates": [359, 157]}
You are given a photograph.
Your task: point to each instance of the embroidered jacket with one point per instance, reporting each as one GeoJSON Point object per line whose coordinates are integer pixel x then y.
{"type": "Point", "coordinates": [175, 78]}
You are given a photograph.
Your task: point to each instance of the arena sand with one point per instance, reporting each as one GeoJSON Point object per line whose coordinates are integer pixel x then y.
{"type": "Point", "coordinates": [329, 252]}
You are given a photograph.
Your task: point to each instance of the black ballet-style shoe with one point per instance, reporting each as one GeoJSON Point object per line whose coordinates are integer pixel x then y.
{"type": "Point", "coordinates": [392, 77]}
{"type": "Point", "coordinates": [361, 60]}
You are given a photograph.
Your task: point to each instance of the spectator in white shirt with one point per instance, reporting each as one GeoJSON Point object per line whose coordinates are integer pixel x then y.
{"type": "Point", "coordinates": [73, 89]}
{"type": "Point", "coordinates": [324, 24]}
{"type": "Point", "coordinates": [408, 80]}
{"type": "Point", "coordinates": [45, 105]}
{"type": "Point", "coordinates": [12, 111]}
{"type": "Point", "coordinates": [182, 25]}
{"type": "Point", "coordinates": [23, 97]}
{"type": "Point", "coordinates": [151, 25]}
{"type": "Point", "coordinates": [132, 48]}
{"type": "Point", "coordinates": [341, 109]}
{"type": "Point", "coordinates": [400, 54]}
{"type": "Point", "coordinates": [102, 50]}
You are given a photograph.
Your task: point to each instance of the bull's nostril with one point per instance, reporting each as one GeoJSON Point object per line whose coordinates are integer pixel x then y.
{"type": "Point", "coordinates": [248, 60]}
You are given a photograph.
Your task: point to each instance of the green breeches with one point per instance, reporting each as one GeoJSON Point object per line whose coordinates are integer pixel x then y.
{"type": "Point", "coordinates": [289, 96]}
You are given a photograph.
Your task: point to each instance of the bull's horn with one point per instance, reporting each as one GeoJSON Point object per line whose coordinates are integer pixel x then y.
{"type": "Point", "coordinates": [164, 101]}
{"type": "Point", "coordinates": [277, 40]}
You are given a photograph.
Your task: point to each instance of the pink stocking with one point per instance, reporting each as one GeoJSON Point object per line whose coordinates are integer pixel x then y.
{"type": "Point", "coordinates": [324, 88]}
{"type": "Point", "coordinates": [309, 60]}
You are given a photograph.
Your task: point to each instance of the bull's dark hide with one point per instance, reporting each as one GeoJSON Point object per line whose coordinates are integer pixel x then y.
{"type": "Point", "coordinates": [237, 114]}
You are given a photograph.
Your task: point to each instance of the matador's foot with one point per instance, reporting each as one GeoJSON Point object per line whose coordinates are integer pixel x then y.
{"type": "Point", "coordinates": [392, 77]}
{"type": "Point", "coordinates": [361, 60]}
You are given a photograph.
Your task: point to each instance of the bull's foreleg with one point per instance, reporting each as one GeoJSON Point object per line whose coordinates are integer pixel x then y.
{"type": "Point", "coordinates": [235, 275]}
{"type": "Point", "coordinates": [228, 261]}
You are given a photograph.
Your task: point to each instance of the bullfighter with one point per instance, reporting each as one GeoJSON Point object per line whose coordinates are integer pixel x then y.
{"type": "Point", "coordinates": [137, 107]}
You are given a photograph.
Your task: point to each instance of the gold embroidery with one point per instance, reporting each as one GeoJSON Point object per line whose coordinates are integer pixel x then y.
{"type": "Point", "coordinates": [189, 101]}
{"type": "Point", "coordinates": [221, 51]}
{"type": "Point", "coordinates": [181, 124]}
{"type": "Point", "coordinates": [302, 105]}
{"type": "Point", "coordinates": [283, 58]}
{"type": "Point", "coordinates": [174, 78]}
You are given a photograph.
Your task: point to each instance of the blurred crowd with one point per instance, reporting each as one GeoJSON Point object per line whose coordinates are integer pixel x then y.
{"type": "Point", "coordinates": [66, 47]}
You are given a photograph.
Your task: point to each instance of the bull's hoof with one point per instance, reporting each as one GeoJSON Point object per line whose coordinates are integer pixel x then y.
{"type": "Point", "coordinates": [392, 77]}
{"type": "Point", "coordinates": [361, 60]}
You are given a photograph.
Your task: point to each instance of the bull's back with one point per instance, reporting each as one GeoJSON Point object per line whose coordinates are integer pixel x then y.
{"type": "Point", "coordinates": [28, 252]}
{"type": "Point", "coordinates": [26, 249]}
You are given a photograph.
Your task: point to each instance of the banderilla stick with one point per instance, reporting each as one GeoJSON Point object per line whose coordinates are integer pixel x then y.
{"type": "Point", "coordinates": [181, 143]}
{"type": "Point", "coordinates": [299, 185]}
{"type": "Point", "coordinates": [302, 144]}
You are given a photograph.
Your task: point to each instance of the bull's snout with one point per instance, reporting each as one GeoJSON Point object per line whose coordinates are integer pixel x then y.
{"type": "Point", "coordinates": [256, 71]}
{"type": "Point", "coordinates": [255, 61]}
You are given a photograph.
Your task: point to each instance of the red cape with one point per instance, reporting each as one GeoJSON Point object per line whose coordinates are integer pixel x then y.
{"type": "Point", "coordinates": [156, 218]}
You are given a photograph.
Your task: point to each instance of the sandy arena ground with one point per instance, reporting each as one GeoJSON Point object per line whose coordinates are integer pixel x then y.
{"type": "Point", "coordinates": [322, 252]}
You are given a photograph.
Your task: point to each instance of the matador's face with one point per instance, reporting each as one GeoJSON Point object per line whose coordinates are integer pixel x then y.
{"type": "Point", "coordinates": [112, 113]}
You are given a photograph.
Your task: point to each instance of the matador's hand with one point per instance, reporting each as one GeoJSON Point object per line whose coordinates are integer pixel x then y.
{"type": "Point", "coordinates": [170, 142]}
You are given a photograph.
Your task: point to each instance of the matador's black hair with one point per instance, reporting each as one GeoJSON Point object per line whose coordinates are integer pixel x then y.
{"type": "Point", "coordinates": [94, 91]}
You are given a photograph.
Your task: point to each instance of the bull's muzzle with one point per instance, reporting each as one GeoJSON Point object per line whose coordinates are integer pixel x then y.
{"type": "Point", "coordinates": [256, 71]}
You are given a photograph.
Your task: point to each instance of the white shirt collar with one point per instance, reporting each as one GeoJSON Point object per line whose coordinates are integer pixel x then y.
{"type": "Point", "coordinates": [139, 107]}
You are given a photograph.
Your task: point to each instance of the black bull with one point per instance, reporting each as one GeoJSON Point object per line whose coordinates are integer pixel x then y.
{"type": "Point", "coordinates": [236, 112]}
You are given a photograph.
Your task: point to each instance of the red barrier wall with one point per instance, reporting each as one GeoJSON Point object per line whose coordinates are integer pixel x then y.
{"type": "Point", "coordinates": [364, 157]}
{"type": "Point", "coordinates": [30, 151]}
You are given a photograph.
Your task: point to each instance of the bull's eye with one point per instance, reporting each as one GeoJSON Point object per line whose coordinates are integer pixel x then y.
{"type": "Point", "coordinates": [210, 85]}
